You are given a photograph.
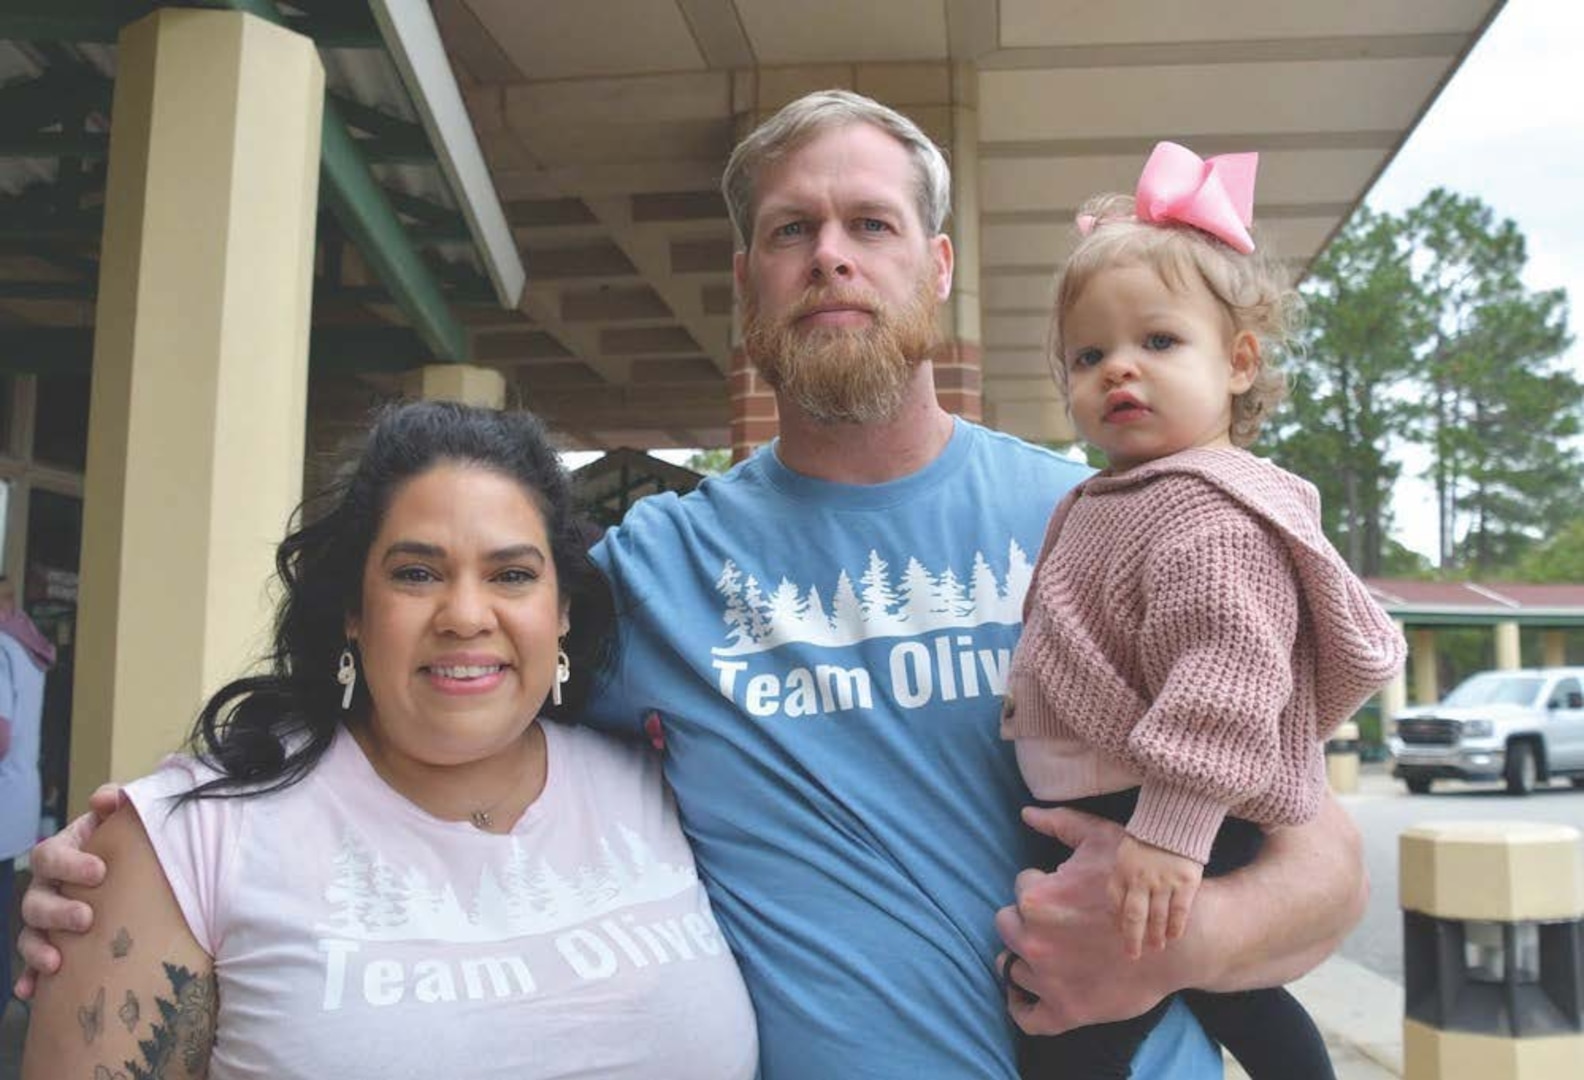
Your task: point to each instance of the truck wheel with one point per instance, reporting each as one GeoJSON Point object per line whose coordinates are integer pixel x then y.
{"type": "Point", "coordinates": [1521, 769]}
{"type": "Point", "coordinates": [1418, 785]}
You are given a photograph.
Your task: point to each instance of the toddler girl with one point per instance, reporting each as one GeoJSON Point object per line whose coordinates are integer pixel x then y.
{"type": "Point", "coordinates": [1191, 637]}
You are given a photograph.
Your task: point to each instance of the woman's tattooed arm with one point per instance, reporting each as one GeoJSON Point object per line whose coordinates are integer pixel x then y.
{"type": "Point", "coordinates": [136, 998]}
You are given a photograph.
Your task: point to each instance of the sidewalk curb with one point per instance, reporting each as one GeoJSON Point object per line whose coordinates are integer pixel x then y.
{"type": "Point", "coordinates": [1356, 1007]}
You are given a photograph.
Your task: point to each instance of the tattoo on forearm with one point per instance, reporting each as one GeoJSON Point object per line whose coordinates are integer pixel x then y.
{"type": "Point", "coordinates": [122, 944]}
{"type": "Point", "coordinates": [91, 1017]}
{"type": "Point", "coordinates": [102, 1073]}
{"type": "Point", "coordinates": [129, 1011]}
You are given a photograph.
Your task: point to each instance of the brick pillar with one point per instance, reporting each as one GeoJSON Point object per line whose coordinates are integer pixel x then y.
{"type": "Point", "coordinates": [754, 421]}
{"type": "Point", "coordinates": [960, 359]}
{"type": "Point", "coordinates": [957, 379]}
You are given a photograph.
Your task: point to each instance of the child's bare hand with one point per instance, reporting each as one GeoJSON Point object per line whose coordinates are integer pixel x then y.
{"type": "Point", "coordinates": [1152, 891]}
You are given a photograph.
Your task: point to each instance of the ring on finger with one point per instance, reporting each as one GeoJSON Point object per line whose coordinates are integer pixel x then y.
{"type": "Point", "coordinates": [1009, 983]}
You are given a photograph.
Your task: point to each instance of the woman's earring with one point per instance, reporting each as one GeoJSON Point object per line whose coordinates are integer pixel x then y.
{"type": "Point", "coordinates": [563, 673]}
{"type": "Point", "coordinates": [346, 675]}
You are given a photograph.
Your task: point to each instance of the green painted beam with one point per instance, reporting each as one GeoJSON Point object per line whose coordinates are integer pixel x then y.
{"type": "Point", "coordinates": [1531, 619]}
{"type": "Point", "coordinates": [368, 220]}
{"type": "Point", "coordinates": [96, 21]}
{"type": "Point", "coordinates": [477, 292]}
{"type": "Point", "coordinates": [430, 213]}
{"type": "Point", "coordinates": [100, 22]}
{"type": "Point", "coordinates": [49, 99]}
{"type": "Point", "coordinates": [372, 121]}
{"type": "Point", "coordinates": [49, 229]}
{"type": "Point", "coordinates": [54, 144]}
{"type": "Point", "coordinates": [366, 215]}
{"type": "Point", "coordinates": [37, 350]}
{"type": "Point", "coordinates": [349, 189]}
{"type": "Point", "coordinates": [48, 290]}
{"type": "Point", "coordinates": [96, 145]}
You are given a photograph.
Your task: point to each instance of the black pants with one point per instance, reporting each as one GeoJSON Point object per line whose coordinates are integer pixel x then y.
{"type": "Point", "coordinates": [1268, 1031]}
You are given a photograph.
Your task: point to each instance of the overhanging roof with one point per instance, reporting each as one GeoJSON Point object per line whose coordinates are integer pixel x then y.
{"type": "Point", "coordinates": [415, 219]}
{"type": "Point", "coordinates": [1469, 603]}
{"type": "Point", "coordinates": [606, 124]}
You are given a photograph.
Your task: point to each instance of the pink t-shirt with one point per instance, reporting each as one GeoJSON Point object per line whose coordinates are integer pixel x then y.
{"type": "Point", "coordinates": [356, 935]}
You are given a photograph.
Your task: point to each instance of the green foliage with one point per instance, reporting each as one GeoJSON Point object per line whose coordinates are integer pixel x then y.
{"type": "Point", "coordinates": [1398, 561]}
{"type": "Point", "coordinates": [710, 462]}
{"type": "Point", "coordinates": [1357, 350]}
{"type": "Point", "coordinates": [1558, 559]}
{"type": "Point", "coordinates": [1498, 416]}
{"type": "Point", "coordinates": [1092, 456]}
{"type": "Point", "coordinates": [1422, 335]}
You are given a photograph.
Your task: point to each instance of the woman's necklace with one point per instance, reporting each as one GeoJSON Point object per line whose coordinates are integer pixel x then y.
{"type": "Point", "coordinates": [480, 817]}
{"type": "Point", "coordinates": [483, 817]}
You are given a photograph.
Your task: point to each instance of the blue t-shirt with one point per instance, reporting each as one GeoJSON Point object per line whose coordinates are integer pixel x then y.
{"type": "Point", "coordinates": [826, 662]}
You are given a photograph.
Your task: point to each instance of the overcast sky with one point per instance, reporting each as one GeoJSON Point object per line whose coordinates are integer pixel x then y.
{"type": "Point", "coordinates": [1509, 128]}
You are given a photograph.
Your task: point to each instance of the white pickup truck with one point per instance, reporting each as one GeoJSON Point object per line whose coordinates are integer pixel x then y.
{"type": "Point", "coordinates": [1522, 726]}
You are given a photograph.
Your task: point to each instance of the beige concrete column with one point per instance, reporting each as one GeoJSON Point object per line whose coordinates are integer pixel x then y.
{"type": "Point", "coordinates": [1491, 912]}
{"type": "Point", "coordinates": [1553, 648]}
{"type": "Point", "coordinates": [1422, 648]}
{"type": "Point", "coordinates": [465, 383]}
{"type": "Point", "coordinates": [1507, 653]}
{"type": "Point", "coordinates": [199, 374]}
{"type": "Point", "coordinates": [1342, 758]}
{"type": "Point", "coordinates": [1394, 695]}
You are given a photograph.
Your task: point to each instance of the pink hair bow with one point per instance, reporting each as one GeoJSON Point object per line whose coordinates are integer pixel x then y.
{"type": "Point", "coordinates": [1215, 195]}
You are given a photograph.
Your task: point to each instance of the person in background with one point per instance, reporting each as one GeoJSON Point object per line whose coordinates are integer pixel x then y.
{"type": "Point", "coordinates": [25, 655]}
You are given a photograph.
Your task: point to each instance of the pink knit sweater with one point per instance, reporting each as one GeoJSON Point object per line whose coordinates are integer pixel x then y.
{"type": "Point", "coordinates": [1190, 623]}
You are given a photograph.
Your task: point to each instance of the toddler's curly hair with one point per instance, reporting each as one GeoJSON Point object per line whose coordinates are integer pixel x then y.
{"type": "Point", "coordinates": [1254, 289]}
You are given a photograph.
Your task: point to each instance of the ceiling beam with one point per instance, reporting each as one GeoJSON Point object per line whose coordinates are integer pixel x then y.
{"type": "Point", "coordinates": [362, 349]}
{"type": "Point", "coordinates": [99, 22]}
{"type": "Point", "coordinates": [1286, 50]}
{"type": "Point", "coordinates": [651, 249]}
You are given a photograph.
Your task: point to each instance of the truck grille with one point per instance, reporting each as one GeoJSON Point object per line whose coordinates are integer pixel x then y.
{"type": "Point", "coordinates": [1428, 731]}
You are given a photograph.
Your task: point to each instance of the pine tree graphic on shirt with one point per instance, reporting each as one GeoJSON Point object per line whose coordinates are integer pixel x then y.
{"type": "Point", "coordinates": [877, 606]}
{"type": "Point", "coordinates": [369, 898]}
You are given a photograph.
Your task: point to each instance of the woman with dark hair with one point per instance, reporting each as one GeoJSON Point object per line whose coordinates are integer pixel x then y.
{"type": "Point", "coordinates": [378, 861]}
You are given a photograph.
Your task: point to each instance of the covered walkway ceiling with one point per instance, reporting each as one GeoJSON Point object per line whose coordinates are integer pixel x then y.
{"type": "Point", "coordinates": [606, 124]}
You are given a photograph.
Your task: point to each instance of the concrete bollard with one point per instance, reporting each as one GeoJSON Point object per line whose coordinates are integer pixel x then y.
{"type": "Point", "coordinates": [1342, 759]}
{"type": "Point", "coordinates": [1493, 951]}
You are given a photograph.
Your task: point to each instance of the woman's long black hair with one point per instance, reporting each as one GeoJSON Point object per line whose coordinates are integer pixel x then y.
{"type": "Point", "coordinates": [266, 732]}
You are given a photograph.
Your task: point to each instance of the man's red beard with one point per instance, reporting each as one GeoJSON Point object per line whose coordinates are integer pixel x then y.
{"type": "Point", "coordinates": [839, 374]}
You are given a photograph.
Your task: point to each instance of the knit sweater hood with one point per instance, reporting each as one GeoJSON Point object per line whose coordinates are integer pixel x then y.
{"type": "Point", "coordinates": [1358, 647]}
{"type": "Point", "coordinates": [1195, 627]}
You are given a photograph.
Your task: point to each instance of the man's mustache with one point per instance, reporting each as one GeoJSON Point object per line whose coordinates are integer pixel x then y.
{"type": "Point", "coordinates": [823, 299]}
